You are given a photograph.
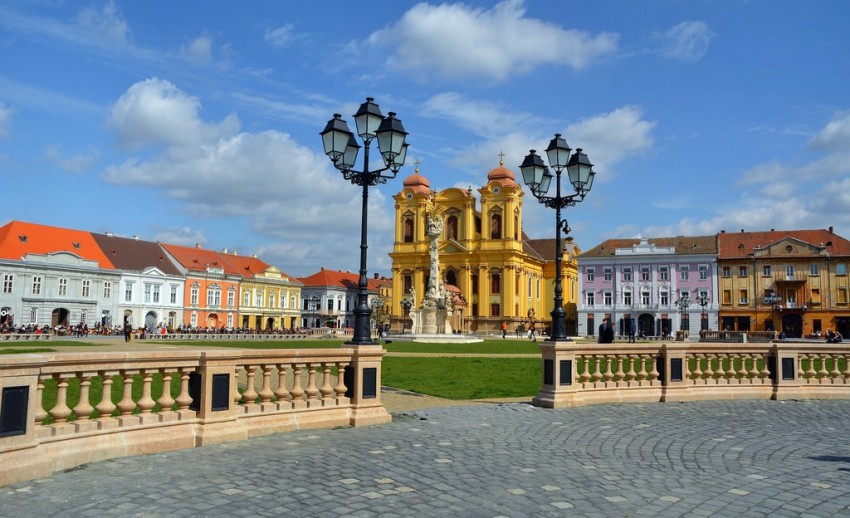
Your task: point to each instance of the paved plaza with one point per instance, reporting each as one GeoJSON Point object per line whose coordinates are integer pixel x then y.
{"type": "Point", "coordinates": [752, 458]}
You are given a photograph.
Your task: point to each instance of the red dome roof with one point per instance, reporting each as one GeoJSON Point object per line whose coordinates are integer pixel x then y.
{"type": "Point", "coordinates": [417, 183]}
{"type": "Point", "coordinates": [503, 175]}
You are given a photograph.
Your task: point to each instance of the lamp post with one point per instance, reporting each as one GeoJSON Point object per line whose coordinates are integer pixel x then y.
{"type": "Point", "coordinates": [377, 304]}
{"type": "Point", "coordinates": [702, 300]}
{"type": "Point", "coordinates": [538, 178]}
{"type": "Point", "coordinates": [773, 300]}
{"type": "Point", "coordinates": [312, 303]}
{"type": "Point", "coordinates": [683, 303]}
{"type": "Point", "coordinates": [342, 149]}
{"type": "Point", "coordinates": [406, 304]}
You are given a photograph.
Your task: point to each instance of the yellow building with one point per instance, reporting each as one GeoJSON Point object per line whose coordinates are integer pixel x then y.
{"type": "Point", "coordinates": [268, 297]}
{"type": "Point", "coordinates": [483, 252]}
{"type": "Point", "coordinates": [791, 281]}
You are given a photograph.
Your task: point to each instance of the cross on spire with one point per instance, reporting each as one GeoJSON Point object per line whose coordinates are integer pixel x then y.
{"type": "Point", "coordinates": [501, 158]}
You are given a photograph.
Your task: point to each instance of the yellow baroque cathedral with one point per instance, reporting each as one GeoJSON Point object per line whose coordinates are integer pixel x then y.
{"type": "Point", "coordinates": [496, 273]}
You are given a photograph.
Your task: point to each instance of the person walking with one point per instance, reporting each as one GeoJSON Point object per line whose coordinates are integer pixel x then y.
{"type": "Point", "coordinates": [632, 330]}
{"type": "Point", "coordinates": [606, 332]}
{"type": "Point", "coordinates": [504, 329]}
{"type": "Point", "coordinates": [531, 331]}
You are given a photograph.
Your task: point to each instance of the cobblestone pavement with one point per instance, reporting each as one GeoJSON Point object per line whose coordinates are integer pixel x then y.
{"type": "Point", "coordinates": [751, 458]}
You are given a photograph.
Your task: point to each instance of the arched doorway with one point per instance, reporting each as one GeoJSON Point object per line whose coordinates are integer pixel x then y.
{"type": "Point", "coordinates": [792, 325]}
{"type": "Point", "coordinates": [128, 317]}
{"type": "Point", "coordinates": [646, 325]}
{"type": "Point", "coordinates": [270, 323]}
{"type": "Point", "coordinates": [59, 317]}
{"type": "Point", "coordinates": [212, 320]}
{"type": "Point", "coordinates": [6, 315]}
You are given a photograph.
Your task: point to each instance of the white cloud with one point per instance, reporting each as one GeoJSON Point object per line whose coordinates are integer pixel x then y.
{"type": "Point", "coordinates": [157, 112]}
{"type": "Point", "coordinates": [104, 22]}
{"type": "Point", "coordinates": [835, 135]}
{"type": "Point", "coordinates": [478, 117]}
{"type": "Point", "coordinates": [285, 191]}
{"type": "Point", "coordinates": [611, 137]}
{"type": "Point", "coordinates": [76, 163]}
{"type": "Point", "coordinates": [459, 41]}
{"type": "Point", "coordinates": [687, 41]}
{"type": "Point", "coordinates": [181, 236]}
{"type": "Point", "coordinates": [199, 50]}
{"type": "Point", "coordinates": [281, 37]}
{"type": "Point", "coordinates": [5, 121]}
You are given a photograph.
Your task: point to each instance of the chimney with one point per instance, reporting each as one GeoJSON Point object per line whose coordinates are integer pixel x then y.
{"type": "Point", "coordinates": [722, 231]}
{"type": "Point", "coordinates": [197, 245]}
{"type": "Point", "coordinates": [830, 230]}
{"type": "Point", "coordinates": [224, 250]}
{"type": "Point", "coordinates": [135, 238]}
{"type": "Point", "coordinates": [109, 234]}
{"type": "Point", "coordinates": [376, 277]}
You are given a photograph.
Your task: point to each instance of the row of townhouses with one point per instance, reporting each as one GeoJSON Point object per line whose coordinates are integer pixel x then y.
{"type": "Point", "coordinates": [790, 281]}
{"type": "Point", "coordinates": [55, 277]}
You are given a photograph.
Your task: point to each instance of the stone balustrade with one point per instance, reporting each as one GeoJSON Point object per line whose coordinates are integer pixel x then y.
{"type": "Point", "coordinates": [229, 336]}
{"type": "Point", "coordinates": [576, 375]}
{"type": "Point", "coordinates": [60, 410]}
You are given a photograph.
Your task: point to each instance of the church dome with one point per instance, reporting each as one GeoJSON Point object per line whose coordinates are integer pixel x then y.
{"type": "Point", "coordinates": [417, 183]}
{"type": "Point", "coordinates": [502, 175]}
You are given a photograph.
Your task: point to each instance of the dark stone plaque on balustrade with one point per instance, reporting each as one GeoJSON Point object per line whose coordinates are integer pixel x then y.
{"type": "Point", "coordinates": [548, 372]}
{"type": "Point", "coordinates": [370, 383]}
{"type": "Point", "coordinates": [13, 411]}
{"type": "Point", "coordinates": [566, 372]}
{"type": "Point", "coordinates": [220, 392]}
{"type": "Point", "coordinates": [676, 373]}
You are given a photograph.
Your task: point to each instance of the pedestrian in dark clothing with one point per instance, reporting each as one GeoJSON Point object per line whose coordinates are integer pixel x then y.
{"type": "Point", "coordinates": [606, 332]}
{"type": "Point", "coordinates": [632, 330]}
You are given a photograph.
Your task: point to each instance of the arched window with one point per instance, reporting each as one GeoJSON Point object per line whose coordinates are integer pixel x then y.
{"type": "Point", "coordinates": [496, 226]}
{"type": "Point", "coordinates": [451, 227]}
{"type": "Point", "coordinates": [451, 277]}
{"type": "Point", "coordinates": [408, 230]}
{"type": "Point", "coordinates": [516, 227]}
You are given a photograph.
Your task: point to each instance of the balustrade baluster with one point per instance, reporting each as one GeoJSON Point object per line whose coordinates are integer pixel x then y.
{"type": "Point", "coordinates": [653, 374]}
{"type": "Point", "coordinates": [311, 391]}
{"type": "Point", "coordinates": [584, 377]}
{"type": "Point", "coordinates": [84, 408]}
{"type": "Point", "coordinates": [800, 359]}
{"type": "Point", "coordinates": [608, 376]}
{"type": "Point", "coordinates": [619, 375]}
{"type": "Point", "coordinates": [106, 406]}
{"type": "Point", "coordinates": [810, 368]}
{"type": "Point", "coordinates": [641, 375]}
{"type": "Point", "coordinates": [166, 401]}
{"type": "Point", "coordinates": [742, 369]}
{"type": "Point", "coordinates": [249, 397]}
{"type": "Point", "coordinates": [184, 399]}
{"type": "Point", "coordinates": [846, 366]}
{"type": "Point", "coordinates": [282, 394]}
{"type": "Point", "coordinates": [297, 391]}
{"type": "Point", "coordinates": [709, 373]}
{"type": "Point", "coordinates": [146, 403]}
{"type": "Point", "coordinates": [266, 393]}
{"type": "Point", "coordinates": [630, 373]}
{"type": "Point", "coordinates": [764, 373]}
{"type": "Point", "coordinates": [326, 390]}
{"type": "Point", "coordinates": [697, 372]}
{"type": "Point", "coordinates": [340, 387]}
{"type": "Point", "coordinates": [60, 411]}
{"type": "Point", "coordinates": [834, 373]}
{"type": "Point", "coordinates": [822, 372]}
{"type": "Point", "coordinates": [720, 372]}
{"type": "Point", "coordinates": [237, 397]}
{"type": "Point", "coordinates": [127, 405]}
{"type": "Point", "coordinates": [596, 375]}
{"type": "Point", "coordinates": [40, 412]}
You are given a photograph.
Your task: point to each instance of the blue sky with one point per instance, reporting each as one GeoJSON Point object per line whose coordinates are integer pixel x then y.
{"type": "Point", "coordinates": [198, 122]}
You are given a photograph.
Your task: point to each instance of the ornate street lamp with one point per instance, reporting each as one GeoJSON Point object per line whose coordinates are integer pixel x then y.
{"type": "Point", "coordinates": [773, 300]}
{"type": "Point", "coordinates": [538, 178]}
{"type": "Point", "coordinates": [406, 304]}
{"type": "Point", "coordinates": [702, 300]}
{"type": "Point", "coordinates": [377, 304]}
{"type": "Point", "coordinates": [683, 303]}
{"type": "Point", "coordinates": [342, 149]}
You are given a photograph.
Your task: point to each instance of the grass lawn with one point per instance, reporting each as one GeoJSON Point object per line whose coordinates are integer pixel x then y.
{"type": "Point", "coordinates": [464, 378]}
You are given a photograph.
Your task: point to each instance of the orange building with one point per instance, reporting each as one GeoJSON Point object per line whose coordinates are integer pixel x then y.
{"type": "Point", "coordinates": [212, 287]}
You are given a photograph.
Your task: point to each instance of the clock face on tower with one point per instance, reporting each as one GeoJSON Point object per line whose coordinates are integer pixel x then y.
{"type": "Point", "coordinates": [409, 195]}
{"type": "Point", "coordinates": [497, 190]}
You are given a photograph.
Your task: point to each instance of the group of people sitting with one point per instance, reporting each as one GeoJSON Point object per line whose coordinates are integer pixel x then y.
{"type": "Point", "coordinates": [833, 337]}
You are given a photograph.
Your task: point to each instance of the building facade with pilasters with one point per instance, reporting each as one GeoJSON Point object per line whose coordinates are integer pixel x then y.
{"type": "Point", "coordinates": [483, 253]}
{"type": "Point", "coordinates": [642, 280]}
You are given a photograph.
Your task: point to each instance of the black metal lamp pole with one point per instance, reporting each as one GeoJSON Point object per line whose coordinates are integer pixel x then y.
{"type": "Point", "coordinates": [772, 300]}
{"type": "Point", "coordinates": [684, 303]}
{"type": "Point", "coordinates": [703, 302]}
{"type": "Point", "coordinates": [342, 149]}
{"type": "Point", "coordinates": [538, 178]}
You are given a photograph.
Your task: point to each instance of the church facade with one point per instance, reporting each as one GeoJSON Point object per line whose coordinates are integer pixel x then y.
{"type": "Point", "coordinates": [486, 260]}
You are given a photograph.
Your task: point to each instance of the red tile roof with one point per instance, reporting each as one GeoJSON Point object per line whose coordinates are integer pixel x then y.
{"type": "Point", "coordinates": [732, 245]}
{"type": "Point", "coordinates": [199, 259]}
{"type": "Point", "coordinates": [337, 279]}
{"type": "Point", "coordinates": [18, 238]}
{"type": "Point", "coordinates": [246, 265]}
{"type": "Point", "coordinates": [682, 245]}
